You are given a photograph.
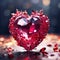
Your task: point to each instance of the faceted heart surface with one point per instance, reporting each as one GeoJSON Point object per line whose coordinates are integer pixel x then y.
{"type": "Point", "coordinates": [28, 30]}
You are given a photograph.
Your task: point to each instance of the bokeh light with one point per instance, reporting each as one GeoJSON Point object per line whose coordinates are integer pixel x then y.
{"type": "Point", "coordinates": [59, 5]}
{"type": "Point", "coordinates": [7, 12]}
{"type": "Point", "coordinates": [35, 1]}
{"type": "Point", "coordinates": [46, 2]}
{"type": "Point", "coordinates": [27, 5]}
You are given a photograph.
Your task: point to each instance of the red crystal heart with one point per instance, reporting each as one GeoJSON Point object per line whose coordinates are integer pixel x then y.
{"type": "Point", "coordinates": [29, 30]}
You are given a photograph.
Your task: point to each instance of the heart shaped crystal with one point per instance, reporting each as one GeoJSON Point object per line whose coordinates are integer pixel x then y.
{"type": "Point", "coordinates": [29, 30]}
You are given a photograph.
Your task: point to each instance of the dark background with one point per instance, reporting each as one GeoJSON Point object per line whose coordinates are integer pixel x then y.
{"type": "Point", "coordinates": [51, 8]}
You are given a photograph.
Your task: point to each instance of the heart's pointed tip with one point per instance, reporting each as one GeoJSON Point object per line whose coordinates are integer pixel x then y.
{"type": "Point", "coordinates": [28, 48]}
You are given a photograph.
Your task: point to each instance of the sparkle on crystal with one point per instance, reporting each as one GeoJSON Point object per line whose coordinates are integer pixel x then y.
{"type": "Point", "coordinates": [22, 22]}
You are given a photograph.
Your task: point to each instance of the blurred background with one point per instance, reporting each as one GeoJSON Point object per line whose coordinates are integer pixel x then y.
{"type": "Point", "coordinates": [50, 7]}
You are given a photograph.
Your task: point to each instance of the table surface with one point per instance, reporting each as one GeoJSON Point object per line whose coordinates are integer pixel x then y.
{"type": "Point", "coordinates": [22, 56]}
{"type": "Point", "coordinates": [26, 56]}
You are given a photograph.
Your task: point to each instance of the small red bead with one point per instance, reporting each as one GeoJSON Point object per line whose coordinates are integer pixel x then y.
{"type": "Point", "coordinates": [49, 45]}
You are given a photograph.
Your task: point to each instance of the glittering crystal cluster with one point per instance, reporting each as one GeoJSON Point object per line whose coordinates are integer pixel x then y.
{"type": "Point", "coordinates": [28, 30]}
